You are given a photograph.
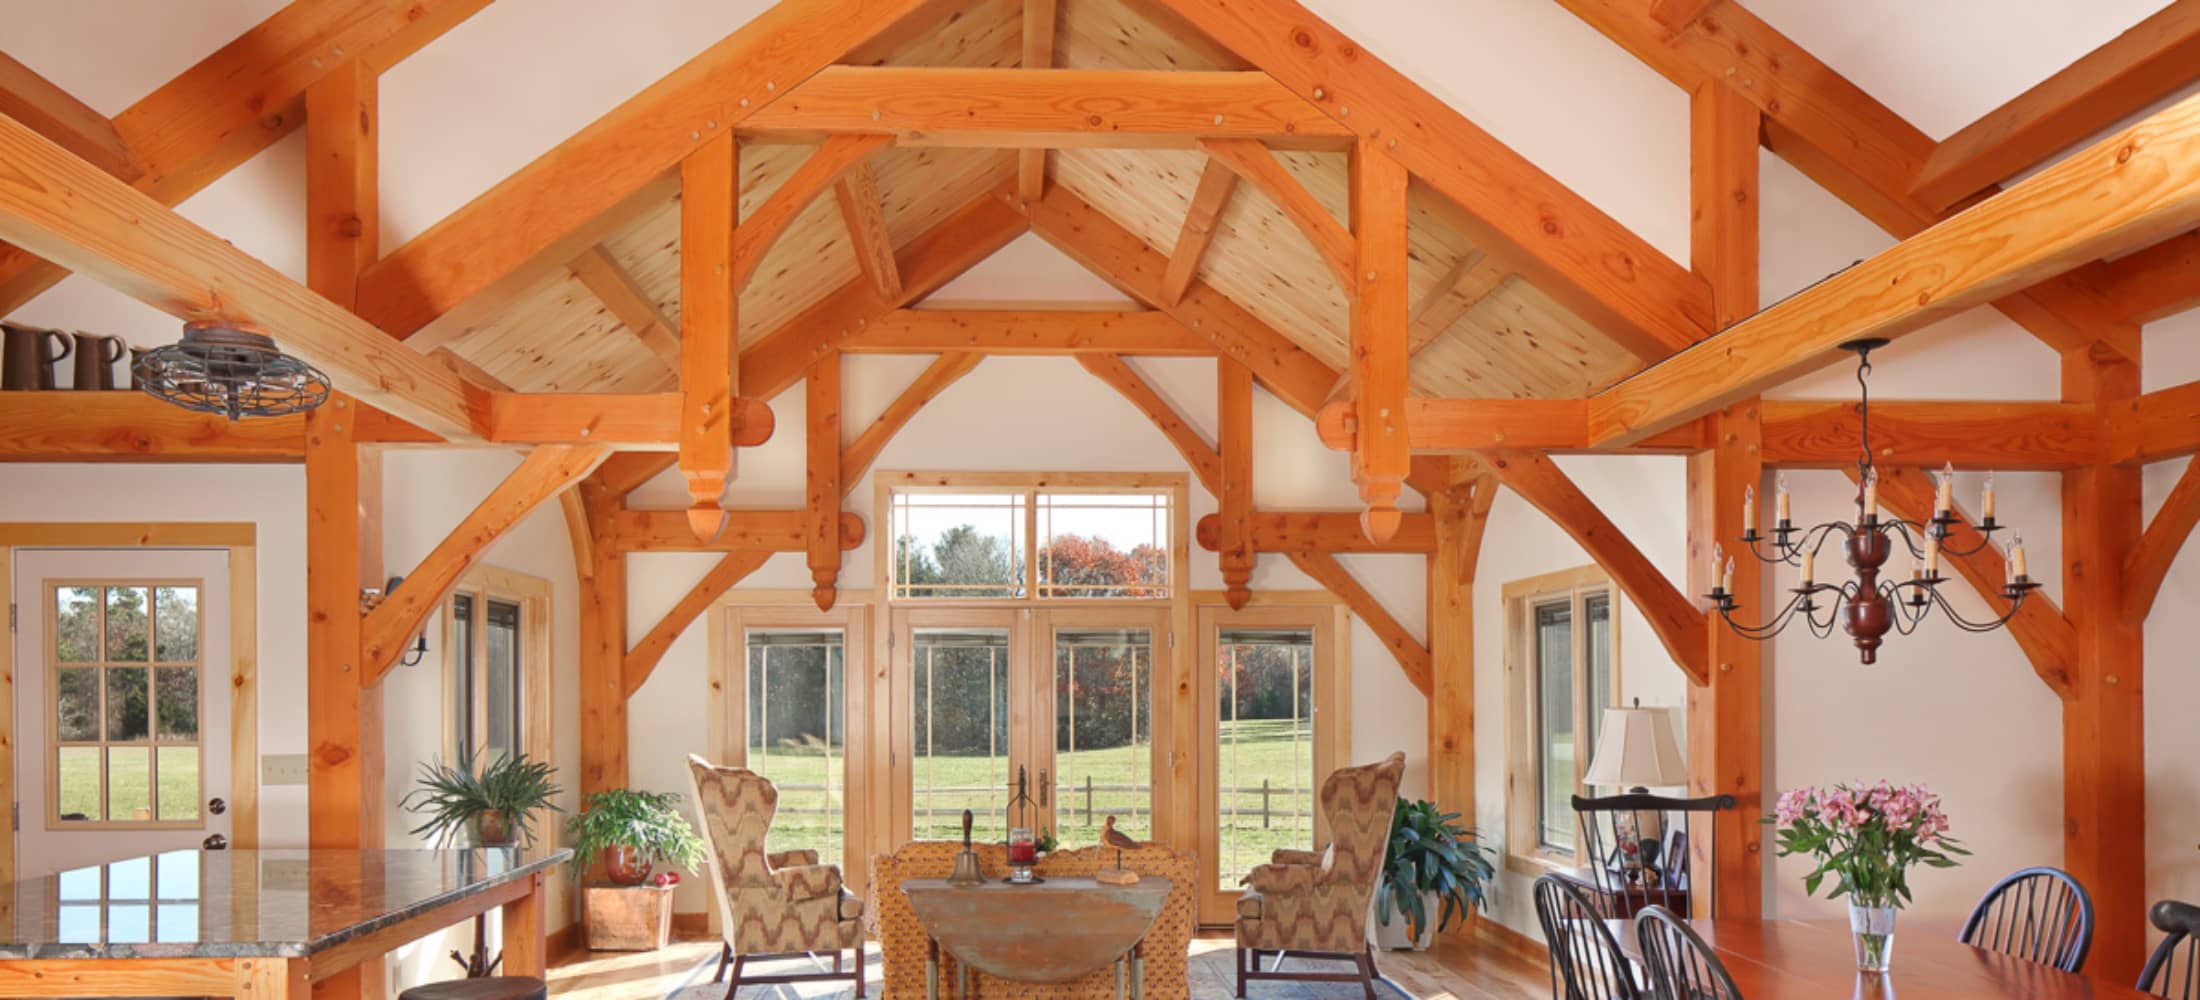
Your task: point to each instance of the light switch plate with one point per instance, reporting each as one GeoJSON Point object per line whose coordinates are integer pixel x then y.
{"type": "Point", "coordinates": [282, 769]}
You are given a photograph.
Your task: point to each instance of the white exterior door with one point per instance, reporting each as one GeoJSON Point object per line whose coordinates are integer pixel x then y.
{"type": "Point", "coordinates": [122, 660]}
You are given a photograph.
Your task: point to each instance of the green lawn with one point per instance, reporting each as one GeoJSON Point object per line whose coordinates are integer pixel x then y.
{"type": "Point", "coordinates": [128, 776]}
{"type": "Point", "coordinates": [1253, 751]}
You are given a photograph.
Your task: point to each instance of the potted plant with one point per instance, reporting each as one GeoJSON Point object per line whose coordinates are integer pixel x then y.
{"type": "Point", "coordinates": [1432, 863]}
{"type": "Point", "coordinates": [631, 832]}
{"type": "Point", "coordinates": [1867, 838]}
{"type": "Point", "coordinates": [494, 805]}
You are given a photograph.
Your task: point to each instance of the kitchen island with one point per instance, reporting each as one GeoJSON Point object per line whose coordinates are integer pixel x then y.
{"type": "Point", "coordinates": [261, 924]}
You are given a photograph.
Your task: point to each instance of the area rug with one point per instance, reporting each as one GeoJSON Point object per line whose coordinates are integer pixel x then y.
{"type": "Point", "coordinates": [1210, 971]}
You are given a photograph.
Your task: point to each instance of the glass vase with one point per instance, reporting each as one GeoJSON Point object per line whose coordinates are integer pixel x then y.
{"type": "Point", "coordinates": [1873, 928]}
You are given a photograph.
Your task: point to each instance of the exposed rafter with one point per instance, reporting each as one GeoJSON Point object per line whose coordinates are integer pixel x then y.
{"type": "Point", "coordinates": [1257, 165]}
{"type": "Point", "coordinates": [1463, 287]}
{"type": "Point", "coordinates": [824, 168]}
{"type": "Point", "coordinates": [1216, 182]}
{"type": "Point", "coordinates": [615, 288]}
{"type": "Point", "coordinates": [864, 214]}
{"type": "Point", "coordinates": [1040, 17]}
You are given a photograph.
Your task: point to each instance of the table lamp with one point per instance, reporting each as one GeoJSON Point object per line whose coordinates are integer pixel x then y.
{"type": "Point", "coordinates": [1636, 750]}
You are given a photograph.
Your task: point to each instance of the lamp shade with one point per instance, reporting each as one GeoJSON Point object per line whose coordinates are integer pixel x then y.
{"type": "Point", "coordinates": [1636, 748]}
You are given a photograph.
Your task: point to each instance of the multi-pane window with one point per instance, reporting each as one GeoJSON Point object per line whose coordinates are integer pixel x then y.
{"type": "Point", "coordinates": [1264, 745]}
{"type": "Point", "coordinates": [127, 685]}
{"type": "Point", "coordinates": [139, 901]}
{"type": "Point", "coordinates": [1017, 543]}
{"type": "Point", "coordinates": [1561, 677]}
{"type": "Point", "coordinates": [1103, 732]}
{"type": "Point", "coordinates": [486, 677]}
{"type": "Point", "coordinates": [795, 733]}
{"type": "Point", "coordinates": [959, 732]}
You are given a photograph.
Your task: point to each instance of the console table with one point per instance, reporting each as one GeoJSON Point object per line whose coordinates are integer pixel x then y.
{"type": "Point", "coordinates": [257, 924]}
{"type": "Point", "coordinates": [1047, 932]}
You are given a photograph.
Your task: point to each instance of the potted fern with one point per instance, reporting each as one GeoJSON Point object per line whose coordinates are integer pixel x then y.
{"type": "Point", "coordinates": [632, 832]}
{"type": "Point", "coordinates": [1433, 868]}
{"type": "Point", "coordinates": [493, 804]}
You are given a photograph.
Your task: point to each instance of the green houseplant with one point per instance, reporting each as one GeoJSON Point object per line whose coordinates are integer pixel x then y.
{"type": "Point", "coordinates": [631, 832]}
{"type": "Point", "coordinates": [494, 804]}
{"type": "Point", "coordinates": [1432, 861]}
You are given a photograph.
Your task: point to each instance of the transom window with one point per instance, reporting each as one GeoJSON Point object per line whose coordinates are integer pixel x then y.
{"type": "Point", "coordinates": [126, 682]}
{"type": "Point", "coordinates": [1038, 542]}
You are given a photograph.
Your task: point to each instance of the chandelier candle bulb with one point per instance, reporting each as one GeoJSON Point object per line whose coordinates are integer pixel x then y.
{"type": "Point", "coordinates": [1726, 577]}
{"type": "Point", "coordinates": [1986, 500]}
{"type": "Point", "coordinates": [1749, 510]}
{"type": "Point", "coordinates": [1932, 555]}
{"type": "Point", "coordinates": [1781, 499]}
{"type": "Point", "coordinates": [2016, 557]}
{"type": "Point", "coordinates": [1947, 484]}
{"type": "Point", "coordinates": [1810, 567]}
{"type": "Point", "coordinates": [1871, 495]}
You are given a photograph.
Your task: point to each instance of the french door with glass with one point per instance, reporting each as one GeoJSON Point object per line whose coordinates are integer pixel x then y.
{"type": "Point", "coordinates": [1272, 705]}
{"type": "Point", "coordinates": [1059, 704]}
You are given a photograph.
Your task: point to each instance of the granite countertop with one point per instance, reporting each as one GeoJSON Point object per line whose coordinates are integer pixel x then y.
{"type": "Point", "coordinates": [239, 904]}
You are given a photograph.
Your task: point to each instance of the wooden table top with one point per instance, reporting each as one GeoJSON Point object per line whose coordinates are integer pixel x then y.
{"type": "Point", "coordinates": [1046, 932]}
{"type": "Point", "coordinates": [1794, 959]}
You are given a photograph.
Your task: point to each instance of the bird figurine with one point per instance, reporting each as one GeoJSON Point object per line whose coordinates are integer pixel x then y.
{"type": "Point", "coordinates": [1119, 840]}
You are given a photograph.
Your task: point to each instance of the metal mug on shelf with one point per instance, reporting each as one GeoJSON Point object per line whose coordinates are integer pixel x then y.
{"type": "Point", "coordinates": [96, 354]}
{"type": "Point", "coordinates": [24, 363]}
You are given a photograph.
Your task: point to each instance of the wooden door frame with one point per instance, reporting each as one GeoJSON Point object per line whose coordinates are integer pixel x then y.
{"type": "Point", "coordinates": [1332, 624]}
{"type": "Point", "coordinates": [240, 539]}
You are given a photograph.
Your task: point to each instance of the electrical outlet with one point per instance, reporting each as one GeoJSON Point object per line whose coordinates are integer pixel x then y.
{"type": "Point", "coordinates": [282, 769]}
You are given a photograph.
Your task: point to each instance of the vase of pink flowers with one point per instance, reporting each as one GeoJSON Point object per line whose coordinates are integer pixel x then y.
{"type": "Point", "coordinates": [1866, 838]}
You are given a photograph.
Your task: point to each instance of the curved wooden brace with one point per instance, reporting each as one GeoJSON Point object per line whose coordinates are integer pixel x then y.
{"type": "Point", "coordinates": [544, 473]}
{"type": "Point", "coordinates": [642, 659]}
{"type": "Point", "coordinates": [1257, 165]}
{"type": "Point", "coordinates": [2149, 564]}
{"type": "Point", "coordinates": [1205, 461]}
{"type": "Point", "coordinates": [834, 158]}
{"type": "Point", "coordinates": [1412, 656]}
{"type": "Point", "coordinates": [2041, 630]}
{"type": "Point", "coordinates": [856, 459]}
{"type": "Point", "coordinates": [1680, 625]}
{"type": "Point", "coordinates": [576, 526]}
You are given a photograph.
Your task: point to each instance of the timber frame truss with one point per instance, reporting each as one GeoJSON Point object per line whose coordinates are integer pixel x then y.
{"type": "Point", "coordinates": [95, 195]}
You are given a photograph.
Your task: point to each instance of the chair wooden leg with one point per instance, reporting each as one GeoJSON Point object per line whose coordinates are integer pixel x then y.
{"type": "Point", "coordinates": [733, 983]}
{"type": "Point", "coordinates": [1367, 974]}
{"type": "Point", "coordinates": [1242, 954]}
{"type": "Point", "coordinates": [724, 955]}
{"type": "Point", "coordinates": [859, 969]}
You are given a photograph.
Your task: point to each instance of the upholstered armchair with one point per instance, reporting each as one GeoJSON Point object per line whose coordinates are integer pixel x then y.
{"type": "Point", "coordinates": [769, 904]}
{"type": "Point", "coordinates": [1315, 903]}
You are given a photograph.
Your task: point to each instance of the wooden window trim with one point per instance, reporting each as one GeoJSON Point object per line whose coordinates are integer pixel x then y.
{"type": "Point", "coordinates": [1525, 853]}
{"type": "Point", "coordinates": [240, 538]}
{"type": "Point", "coordinates": [50, 607]}
{"type": "Point", "coordinates": [538, 653]}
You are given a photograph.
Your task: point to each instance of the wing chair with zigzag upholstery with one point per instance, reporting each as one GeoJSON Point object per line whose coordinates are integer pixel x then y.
{"type": "Point", "coordinates": [1314, 904]}
{"type": "Point", "coordinates": [769, 904]}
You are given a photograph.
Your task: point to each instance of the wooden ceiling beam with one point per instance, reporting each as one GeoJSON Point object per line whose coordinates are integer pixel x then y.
{"type": "Point", "coordinates": [544, 473]}
{"type": "Point", "coordinates": [1411, 654]}
{"type": "Point", "coordinates": [642, 659]}
{"type": "Point", "coordinates": [632, 307]}
{"type": "Point", "coordinates": [1575, 253]}
{"type": "Point", "coordinates": [626, 471]}
{"type": "Point", "coordinates": [233, 104]}
{"type": "Point", "coordinates": [2159, 425]}
{"type": "Point", "coordinates": [616, 156]}
{"type": "Point", "coordinates": [773, 363]}
{"type": "Point", "coordinates": [1464, 426]}
{"type": "Point", "coordinates": [857, 457]}
{"type": "Point", "coordinates": [1469, 281]}
{"type": "Point", "coordinates": [130, 426]}
{"type": "Point", "coordinates": [746, 530]}
{"type": "Point", "coordinates": [2144, 64]}
{"type": "Point", "coordinates": [2155, 283]}
{"type": "Point", "coordinates": [2148, 565]}
{"type": "Point", "coordinates": [824, 168]}
{"type": "Point", "coordinates": [1679, 624]}
{"type": "Point", "coordinates": [1322, 531]}
{"type": "Point", "coordinates": [1216, 183]}
{"type": "Point", "coordinates": [64, 210]}
{"type": "Point", "coordinates": [637, 421]}
{"type": "Point", "coordinates": [1047, 108]}
{"type": "Point", "coordinates": [1257, 165]}
{"type": "Point", "coordinates": [2130, 190]}
{"type": "Point", "coordinates": [56, 114]}
{"type": "Point", "coordinates": [1040, 19]}
{"type": "Point", "coordinates": [863, 212]}
{"type": "Point", "coordinates": [1027, 331]}
{"type": "Point", "coordinates": [1972, 435]}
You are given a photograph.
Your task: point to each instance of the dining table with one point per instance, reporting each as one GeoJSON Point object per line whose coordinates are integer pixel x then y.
{"type": "Point", "coordinates": [1797, 959]}
{"type": "Point", "coordinates": [264, 924]}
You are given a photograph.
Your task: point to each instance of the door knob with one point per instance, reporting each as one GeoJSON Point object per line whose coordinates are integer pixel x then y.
{"type": "Point", "coordinates": [216, 806]}
{"type": "Point", "coordinates": [215, 842]}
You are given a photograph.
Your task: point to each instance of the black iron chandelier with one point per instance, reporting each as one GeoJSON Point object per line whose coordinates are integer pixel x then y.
{"type": "Point", "coordinates": [1867, 607]}
{"type": "Point", "coordinates": [230, 369]}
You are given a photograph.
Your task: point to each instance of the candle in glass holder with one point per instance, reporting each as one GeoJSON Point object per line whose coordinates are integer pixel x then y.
{"type": "Point", "coordinates": [1023, 853]}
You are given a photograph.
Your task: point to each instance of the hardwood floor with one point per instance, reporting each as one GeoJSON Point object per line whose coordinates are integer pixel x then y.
{"type": "Point", "coordinates": [1466, 964]}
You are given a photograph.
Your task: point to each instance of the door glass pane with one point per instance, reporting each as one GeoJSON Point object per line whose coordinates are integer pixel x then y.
{"type": "Point", "coordinates": [1554, 660]}
{"type": "Point", "coordinates": [77, 796]}
{"type": "Point", "coordinates": [1103, 544]}
{"type": "Point", "coordinates": [76, 624]}
{"type": "Point", "coordinates": [796, 736]}
{"type": "Point", "coordinates": [958, 544]}
{"type": "Point", "coordinates": [176, 624]}
{"type": "Point", "coordinates": [76, 704]}
{"type": "Point", "coordinates": [130, 783]}
{"type": "Point", "coordinates": [176, 702]}
{"type": "Point", "coordinates": [128, 715]}
{"type": "Point", "coordinates": [1264, 753]}
{"type": "Point", "coordinates": [178, 771]}
{"type": "Point", "coordinates": [1596, 613]}
{"type": "Point", "coordinates": [959, 732]}
{"type": "Point", "coordinates": [462, 673]}
{"type": "Point", "coordinates": [503, 701]}
{"type": "Point", "coordinates": [126, 629]}
{"type": "Point", "coordinates": [1103, 733]}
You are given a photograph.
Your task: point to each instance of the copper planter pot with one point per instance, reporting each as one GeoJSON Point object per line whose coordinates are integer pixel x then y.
{"type": "Point", "coordinates": [494, 828]}
{"type": "Point", "coordinates": [625, 865]}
